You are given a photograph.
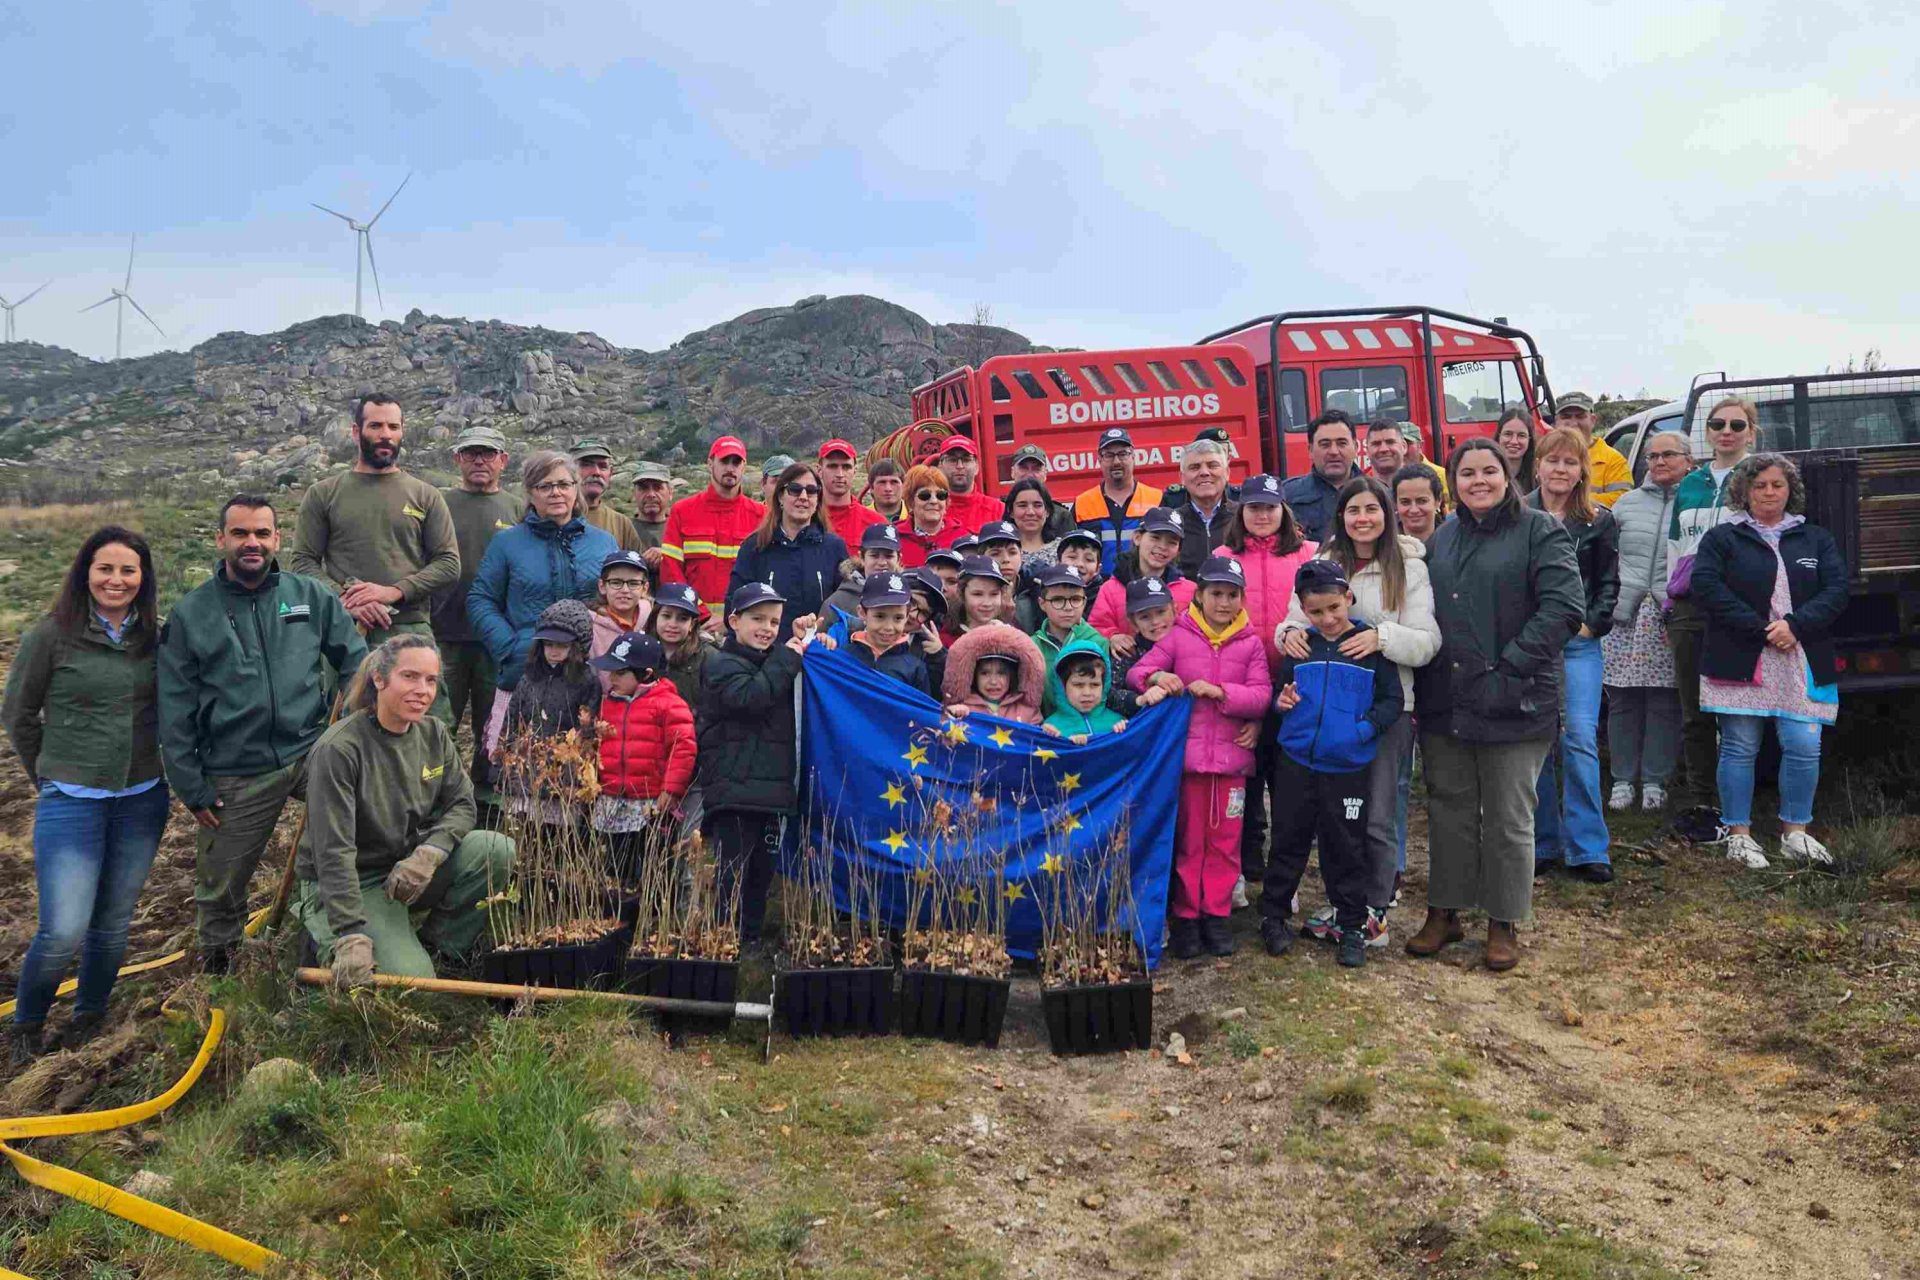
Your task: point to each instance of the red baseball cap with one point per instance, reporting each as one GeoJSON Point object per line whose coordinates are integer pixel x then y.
{"type": "Point", "coordinates": [837, 446]}
{"type": "Point", "coordinates": [963, 443]}
{"type": "Point", "coordinates": [727, 445]}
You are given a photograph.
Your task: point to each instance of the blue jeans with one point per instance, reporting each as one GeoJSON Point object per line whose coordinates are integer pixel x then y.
{"type": "Point", "coordinates": [1740, 739]}
{"type": "Point", "coordinates": [1568, 825]}
{"type": "Point", "coordinates": [90, 861]}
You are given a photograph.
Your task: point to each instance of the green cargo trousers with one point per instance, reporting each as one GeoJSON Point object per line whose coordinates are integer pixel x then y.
{"type": "Point", "coordinates": [442, 705]}
{"type": "Point", "coordinates": [467, 674]}
{"type": "Point", "coordinates": [453, 926]}
{"type": "Point", "coordinates": [226, 857]}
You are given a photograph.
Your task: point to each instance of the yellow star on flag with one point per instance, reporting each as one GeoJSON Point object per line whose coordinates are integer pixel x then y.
{"type": "Point", "coordinates": [1053, 864]}
{"type": "Point", "coordinates": [956, 732]}
{"type": "Point", "coordinates": [915, 757]}
{"type": "Point", "coordinates": [1045, 753]}
{"type": "Point", "coordinates": [1069, 824]}
{"type": "Point", "coordinates": [1069, 782]}
{"type": "Point", "coordinates": [895, 841]}
{"type": "Point", "coordinates": [1002, 736]}
{"type": "Point", "coordinates": [894, 795]}
{"type": "Point", "coordinates": [1014, 892]}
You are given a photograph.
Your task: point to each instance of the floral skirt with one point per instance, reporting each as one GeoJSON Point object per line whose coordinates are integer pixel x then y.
{"type": "Point", "coordinates": [1638, 657]}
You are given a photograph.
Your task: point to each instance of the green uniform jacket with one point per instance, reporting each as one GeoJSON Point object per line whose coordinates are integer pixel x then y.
{"type": "Point", "coordinates": [374, 797]}
{"type": "Point", "coordinates": [617, 523]}
{"type": "Point", "coordinates": [391, 528]}
{"type": "Point", "coordinates": [240, 687]}
{"type": "Point", "coordinates": [81, 710]}
{"type": "Point", "coordinates": [476, 518]}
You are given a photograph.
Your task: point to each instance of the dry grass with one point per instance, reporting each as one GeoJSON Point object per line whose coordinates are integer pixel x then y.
{"type": "Point", "coordinates": [68, 516]}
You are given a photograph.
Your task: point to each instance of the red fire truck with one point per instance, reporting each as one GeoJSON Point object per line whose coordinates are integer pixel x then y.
{"type": "Point", "coordinates": [1451, 375]}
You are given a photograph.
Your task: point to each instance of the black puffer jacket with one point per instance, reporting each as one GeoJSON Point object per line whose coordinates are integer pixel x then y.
{"type": "Point", "coordinates": [1596, 549]}
{"type": "Point", "coordinates": [1198, 539]}
{"type": "Point", "coordinates": [1507, 596]}
{"type": "Point", "coordinates": [745, 714]}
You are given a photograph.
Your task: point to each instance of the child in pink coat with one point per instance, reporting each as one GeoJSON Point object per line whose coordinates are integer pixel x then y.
{"type": "Point", "coordinates": [1216, 657]}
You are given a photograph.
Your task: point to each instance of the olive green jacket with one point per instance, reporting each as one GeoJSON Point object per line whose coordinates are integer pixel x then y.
{"type": "Point", "coordinates": [82, 710]}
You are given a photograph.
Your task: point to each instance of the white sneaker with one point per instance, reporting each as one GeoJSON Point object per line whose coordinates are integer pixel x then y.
{"type": "Point", "coordinates": [1652, 798]}
{"type": "Point", "coordinates": [1798, 846]}
{"type": "Point", "coordinates": [1745, 850]}
{"type": "Point", "coordinates": [1622, 797]}
{"type": "Point", "coordinates": [1240, 894]}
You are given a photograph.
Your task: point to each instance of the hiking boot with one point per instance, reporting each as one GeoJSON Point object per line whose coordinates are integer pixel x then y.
{"type": "Point", "coordinates": [1441, 929]}
{"type": "Point", "coordinates": [1621, 798]}
{"type": "Point", "coordinates": [81, 1028]}
{"type": "Point", "coordinates": [1592, 872]}
{"type": "Point", "coordinates": [24, 1044]}
{"type": "Point", "coordinates": [1183, 937]}
{"type": "Point", "coordinates": [1503, 946]}
{"type": "Point", "coordinates": [1652, 798]}
{"type": "Point", "coordinates": [1277, 936]}
{"type": "Point", "coordinates": [1798, 846]}
{"type": "Point", "coordinates": [216, 961]}
{"type": "Point", "coordinates": [1321, 926]}
{"type": "Point", "coordinates": [1216, 935]}
{"type": "Point", "coordinates": [1745, 850]}
{"type": "Point", "coordinates": [1544, 867]}
{"type": "Point", "coordinates": [1353, 949]}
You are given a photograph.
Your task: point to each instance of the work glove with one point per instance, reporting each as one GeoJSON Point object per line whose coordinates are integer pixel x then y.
{"type": "Point", "coordinates": [353, 960]}
{"type": "Point", "coordinates": [410, 876]}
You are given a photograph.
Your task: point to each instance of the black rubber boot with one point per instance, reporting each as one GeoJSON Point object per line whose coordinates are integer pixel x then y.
{"type": "Point", "coordinates": [82, 1028]}
{"type": "Point", "coordinates": [216, 960]}
{"type": "Point", "coordinates": [1278, 936]}
{"type": "Point", "coordinates": [24, 1045]}
{"type": "Point", "coordinates": [1353, 949]}
{"type": "Point", "coordinates": [1183, 937]}
{"type": "Point", "coordinates": [1216, 935]}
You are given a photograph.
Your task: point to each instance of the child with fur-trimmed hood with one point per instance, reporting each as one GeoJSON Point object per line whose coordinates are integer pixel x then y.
{"type": "Point", "coordinates": [995, 670]}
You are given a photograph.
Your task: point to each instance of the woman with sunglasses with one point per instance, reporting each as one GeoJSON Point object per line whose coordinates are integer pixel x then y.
{"type": "Point", "coordinates": [793, 549]}
{"type": "Point", "coordinates": [1699, 504]}
{"type": "Point", "coordinates": [927, 524]}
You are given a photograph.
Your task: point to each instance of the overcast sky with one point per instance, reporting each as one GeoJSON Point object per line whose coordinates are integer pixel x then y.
{"type": "Point", "coordinates": [1651, 189]}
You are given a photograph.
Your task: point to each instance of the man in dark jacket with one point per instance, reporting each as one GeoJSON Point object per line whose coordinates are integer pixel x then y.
{"type": "Point", "coordinates": [1206, 509]}
{"type": "Point", "coordinates": [241, 704]}
{"type": "Point", "coordinates": [1310, 497]}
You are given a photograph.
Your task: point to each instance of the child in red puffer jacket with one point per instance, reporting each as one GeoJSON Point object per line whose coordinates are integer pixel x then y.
{"type": "Point", "coordinates": [647, 752]}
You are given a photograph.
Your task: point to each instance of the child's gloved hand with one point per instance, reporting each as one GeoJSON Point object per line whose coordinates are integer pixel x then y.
{"type": "Point", "coordinates": [1293, 643]}
{"type": "Point", "coordinates": [1289, 697]}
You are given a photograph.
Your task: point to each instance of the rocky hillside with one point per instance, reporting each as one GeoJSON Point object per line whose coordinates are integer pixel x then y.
{"type": "Point", "coordinates": [274, 408]}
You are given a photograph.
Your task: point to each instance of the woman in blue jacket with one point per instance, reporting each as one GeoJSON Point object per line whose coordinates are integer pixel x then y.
{"type": "Point", "coordinates": [1770, 586]}
{"type": "Point", "coordinates": [552, 554]}
{"type": "Point", "coordinates": [793, 549]}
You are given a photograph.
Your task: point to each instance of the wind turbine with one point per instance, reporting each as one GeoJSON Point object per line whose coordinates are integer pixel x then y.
{"type": "Point", "coordinates": [124, 298]}
{"type": "Point", "coordinates": [9, 306]}
{"type": "Point", "coordinates": [363, 231]}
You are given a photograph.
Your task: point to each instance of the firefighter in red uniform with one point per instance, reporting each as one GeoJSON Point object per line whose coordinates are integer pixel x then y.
{"type": "Point", "coordinates": [704, 532]}
{"type": "Point", "coordinates": [845, 516]}
{"type": "Point", "coordinates": [967, 506]}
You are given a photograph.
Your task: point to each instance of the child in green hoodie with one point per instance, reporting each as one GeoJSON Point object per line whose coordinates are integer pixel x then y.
{"type": "Point", "coordinates": [1082, 672]}
{"type": "Point", "coordinates": [1063, 606]}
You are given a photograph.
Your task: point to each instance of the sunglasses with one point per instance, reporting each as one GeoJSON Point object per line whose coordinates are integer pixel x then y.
{"type": "Point", "coordinates": [1726, 424]}
{"type": "Point", "coordinates": [929, 495]}
{"type": "Point", "coordinates": [797, 490]}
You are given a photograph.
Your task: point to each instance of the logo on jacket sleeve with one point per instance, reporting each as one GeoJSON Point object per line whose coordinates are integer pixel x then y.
{"type": "Point", "coordinates": [428, 772]}
{"type": "Point", "coordinates": [415, 512]}
{"type": "Point", "coordinates": [295, 612]}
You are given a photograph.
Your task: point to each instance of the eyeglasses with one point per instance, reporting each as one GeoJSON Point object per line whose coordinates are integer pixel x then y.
{"type": "Point", "coordinates": [1060, 602]}
{"type": "Point", "coordinates": [1661, 455]}
{"type": "Point", "coordinates": [929, 495]}
{"type": "Point", "coordinates": [798, 490]}
{"type": "Point", "coordinates": [556, 486]}
{"type": "Point", "coordinates": [623, 584]}
{"type": "Point", "coordinates": [1726, 424]}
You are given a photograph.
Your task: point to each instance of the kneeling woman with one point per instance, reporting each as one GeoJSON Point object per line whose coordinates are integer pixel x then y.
{"type": "Point", "coordinates": [390, 828]}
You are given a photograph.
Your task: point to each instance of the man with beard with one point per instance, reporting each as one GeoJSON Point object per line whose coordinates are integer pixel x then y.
{"type": "Point", "coordinates": [1112, 509]}
{"type": "Point", "coordinates": [595, 461]}
{"type": "Point", "coordinates": [241, 702]}
{"type": "Point", "coordinates": [652, 496]}
{"type": "Point", "coordinates": [845, 516]}
{"type": "Point", "coordinates": [382, 537]}
{"type": "Point", "coordinates": [704, 532]}
{"type": "Point", "coordinates": [479, 510]}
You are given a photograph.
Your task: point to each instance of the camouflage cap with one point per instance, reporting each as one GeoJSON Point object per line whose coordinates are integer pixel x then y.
{"type": "Point", "coordinates": [1573, 400]}
{"type": "Point", "coordinates": [652, 471]}
{"type": "Point", "coordinates": [480, 438]}
{"type": "Point", "coordinates": [1030, 451]}
{"type": "Point", "coordinates": [591, 447]}
{"type": "Point", "coordinates": [776, 464]}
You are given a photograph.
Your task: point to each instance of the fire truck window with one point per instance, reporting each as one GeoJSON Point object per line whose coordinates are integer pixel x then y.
{"type": "Point", "coordinates": [1130, 376]}
{"type": "Point", "coordinates": [1481, 390]}
{"type": "Point", "coordinates": [1363, 394]}
{"type": "Point", "coordinates": [1227, 371]}
{"type": "Point", "coordinates": [1064, 380]}
{"type": "Point", "coordinates": [1098, 379]}
{"type": "Point", "coordinates": [1003, 429]}
{"type": "Point", "coordinates": [1198, 374]}
{"type": "Point", "coordinates": [1000, 389]}
{"type": "Point", "coordinates": [1029, 384]}
{"type": "Point", "coordinates": [1163, 375]}
{"type": "Point", "coordinates": [1293, 400]}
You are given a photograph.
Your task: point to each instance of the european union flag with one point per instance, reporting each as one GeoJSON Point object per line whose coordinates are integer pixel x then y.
{"type": "Point", "coordinates": [888, 778]}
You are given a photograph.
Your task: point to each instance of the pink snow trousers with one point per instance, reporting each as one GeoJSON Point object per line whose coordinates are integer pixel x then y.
{"type": "Point", "coordinates": [1206, 856]}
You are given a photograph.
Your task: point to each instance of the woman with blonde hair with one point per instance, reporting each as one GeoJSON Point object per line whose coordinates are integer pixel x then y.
{"type": "Point", "coordinates": [927, 527]}
{"type": "Point", "coordinates": [1569, 827]}
{"type": "Point", "coordinates": [390, 828]}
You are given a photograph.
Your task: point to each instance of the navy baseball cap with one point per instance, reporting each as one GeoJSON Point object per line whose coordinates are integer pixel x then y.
{"type": "Point", "coordinates": [999, 531]}
{"type": "Point", "coordinates": [1224, 569]}
{"type": "Point", "coordinates": [1261, 491]}
{"type": "Point", "coordinates": [880, 537]}
{"type": "Point", "coordinates": [1161, 520]}
{"type": "Point", "coordinates": [927, 581]}
{"type": "Point", "coordinates": [1112, 436]}
{"type": "Point", "coordinates": [632, 651]}
{"type": "Point", "coordinates": [882, 589]}
{"type": "Point", "coordinates": [1080, 535]}
{"type": "Point", "coordinates": [754, 593]}
{"type": "Point", "coordinates": [1061, 575]}
{"type": "Point", "coordinates": [967, 544]}
{"type": "Point", "coordinates": [677, 595]}
{"type": "Point", "coordinates": [981, 567]}
{"type": "Point", "coordinates": [623, 560]}
{"type": "Point", "coordinates": [946, 555]}
{"type": "Point", "coordinates": [1147, 593]}
{"type": "Point", "coordinates": [1319, 576]}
